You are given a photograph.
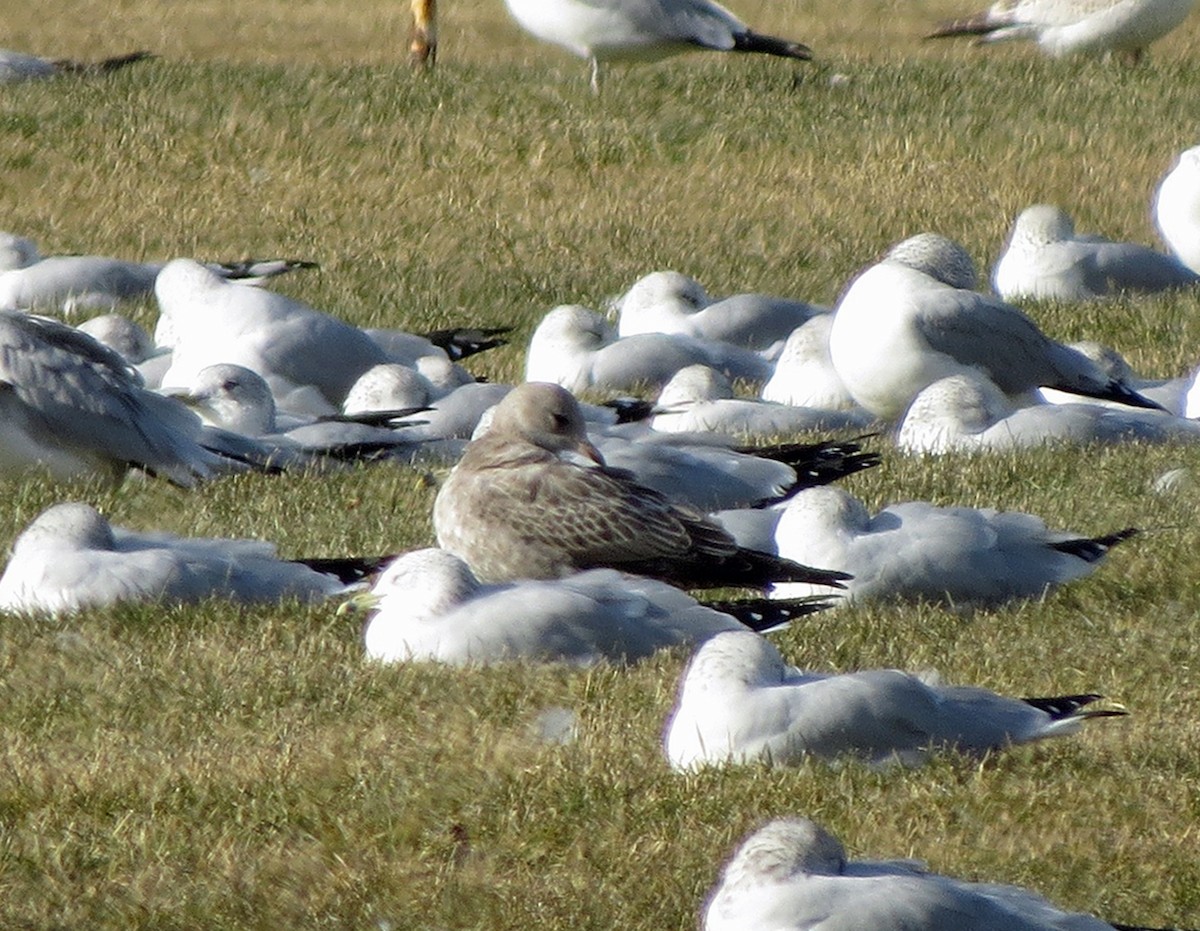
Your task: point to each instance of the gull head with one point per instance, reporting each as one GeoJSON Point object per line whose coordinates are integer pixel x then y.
{"type": "Point", "coordinates": [694, 383]}
{"type": "Point", "coordinates": [823, 509]}
{"type": "Point", "coordinates": [938, 257]}
{"type": "Point", "coordinates": [734, 659]}
{"type": "Point", "coordinates": [949, 409]}
{"type": "Point", "coordinates": [183, 280]}
{"type": "Point", "coordinates": [17, 252]}
{"type": "Point", "coordinates": [231, 397]}
{"type": "Point", "coordinates": [71, 525]}
{"type": "Point", "coordinates": [546, 415]}
{"type": "Point", "coordinates": [122, 335]}
{"type": "Point", "coordinates": [1041, 225]}
{"type": "Point", "coordinates": [387, 387]}
{"type": "Point", "coordinates": [783, 848]}
{"type": "Point", "coordinates": [418, 586]}
{"type": "Point", "coordinates": [561, 346]}
{"type": "Point", "coordinates": [1108, 360]}
{"type": "Point", "coordinates": [671, 290]}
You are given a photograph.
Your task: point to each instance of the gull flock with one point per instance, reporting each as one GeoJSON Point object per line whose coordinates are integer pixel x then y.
{"type": "Point", "coordinates": [572, 520]}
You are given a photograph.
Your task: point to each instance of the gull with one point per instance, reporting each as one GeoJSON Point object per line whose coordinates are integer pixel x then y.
{"type": "Point", "coordinates": [670, 302]}
{"type": "Point", "coordinates": [71, 558]}
{"type": "Point", "coordinates": [793, 875]}
{"type": "Point", "coordinates": [699, 399]}
{"type": "Point", "coordinates": [73, 408]}
{"type": "Point", "coordinates": [643, 30]}
{"type": "Point", "coordinates": [578, 349]}
{"type": "Point", "coordinates": [967, 412]}
{"type": "Point", "coordinates": [69, 284]}
{"type": "Point", "coordinates": [1177, 208]}
{"type": "Point", "coordinates": [1169, 393]}
{"type": "Point", "coordinates": [1069, 27]}
{"type": "Point", "coordinates": [915, 550]}
{"type": "Point", "coordinates": [428, 605]}
{"type": "Point", "coordinates": [207, 320]}
{"type": "Point", "coordinates": [804, 375]}
{"type": "Point", "coordinates": [516, 506]}
{"type": "Point", "coordinates": [1044, 258]}
{"type": "Point", "coordinates": [914, 318]}
{"type": "Point", "coordinates": [739, 702]}
{"type": "Point", "coordinates": [19, 66]}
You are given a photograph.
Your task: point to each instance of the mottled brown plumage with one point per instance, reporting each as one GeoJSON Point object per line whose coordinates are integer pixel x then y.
{"type": "Point", "coordinates": [516, 507]}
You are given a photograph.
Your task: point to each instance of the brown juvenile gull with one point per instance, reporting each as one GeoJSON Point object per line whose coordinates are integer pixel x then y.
{"type": "Point", "coordinates": [516, 506]}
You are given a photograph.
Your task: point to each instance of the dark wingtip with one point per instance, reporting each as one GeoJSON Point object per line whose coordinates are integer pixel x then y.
{"type": "Point", "coordinates": [460, 342]}
{"type": "Point", "coordinates": [763, 615]}
{"type": "Point", "coordinates": [1092, 549]}
{"type": "Point", "coordinates": [1060, 707]}
{"type": "Point", "coordinates": [771, 45]}
{"type": "Point", "coordinates": [347, 569]}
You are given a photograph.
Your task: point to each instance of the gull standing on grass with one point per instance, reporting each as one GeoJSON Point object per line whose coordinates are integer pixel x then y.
{"type": "Point", "coordinates": [70, 558]}
{"type": "Point", "coordinates": [1045, 258]}
{"type": "Point", "coordinates": [643, 30]}
{"type": "Point", "coordinates": [428, 605]}
{"type": "Point", "coordinates": [1177, 208]}
{"type": "Point", "coordinates": [1070, 27]}
{"type": "Point", "coordinates": [915, 550]}
{"type": "Point", "coordinates": [915, 317]}
{"type": "Point", "coordinates": [518, 506]}
{"type": "Point", "coordinates": [793, 875]}
{"type": "Point", "coordinates": [739, 702]}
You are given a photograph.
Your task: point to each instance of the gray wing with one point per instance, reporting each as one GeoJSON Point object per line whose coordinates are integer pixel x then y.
{"type": "Point", "coordinates": [1125, 266]}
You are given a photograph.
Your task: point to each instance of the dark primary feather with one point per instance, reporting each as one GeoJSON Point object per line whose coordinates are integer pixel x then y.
{"type": "Point", "coordinates": [347, 569]}
{"type": "Point", "coordinates": [1093, 549]}
{"type": "Point", "coordinates": [460, 342]}
{"type": "Point", "coordinates": [771, 45]}
{"type": "Point", "coordinates": [105, 65]}
{"type": "Point", "coordinates": [1065, 706]}
{"type": "Point", "coordinates": [764, 614]}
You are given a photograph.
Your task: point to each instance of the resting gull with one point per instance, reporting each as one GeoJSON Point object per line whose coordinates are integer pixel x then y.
{"type": "Point", "coordinates": [804, 375]}
{"type": "Point", "coordinates": [578, 349]}
{"type": "Point", "coordinates": [967, 412]}
{"type": "Point", "coordinates": [1069, 27]}
{"type": "Point", "coordinates": [916, 550]}
{"type": "Point", "coordinates": [516, 506]}
{"type": "Point", "coordinates": [1044, 258]}
{"type": "Point", "coordinates": [739, 702]}
{"type": "Point", "coordinates": [914, 318]}
{"type": "Point", "coordinates": [793, 875]}
{"type": "Point", "coordinates": [429, 606]}
{"type": "Point", "coordinates": [643, 30]}
{"type": "Point", "coordinates": [670, 302]}
{"type": "Point", "coordinates": [74, 408]}
{"type": "Point", "coordinates": [20, 66]}
{"type": "Point", "coordinates": [70, 558]}
{"type": "Point", "coordinates": [1177, 208]}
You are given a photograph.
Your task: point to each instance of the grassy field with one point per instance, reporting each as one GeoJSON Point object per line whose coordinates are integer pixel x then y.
{"type": "Point", "coordinates": [218, 767]}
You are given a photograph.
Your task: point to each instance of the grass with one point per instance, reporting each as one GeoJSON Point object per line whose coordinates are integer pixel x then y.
{"type": "Point", "coordinates": [225, 767]}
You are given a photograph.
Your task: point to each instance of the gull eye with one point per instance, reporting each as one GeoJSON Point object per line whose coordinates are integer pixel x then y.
{"type": "Point", "coordinates": [560, 421]}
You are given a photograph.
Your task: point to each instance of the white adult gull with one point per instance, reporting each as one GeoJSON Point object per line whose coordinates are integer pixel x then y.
{"type": "Point", "coordinates": [643, 30]}
{"type": "Point", "coordinates": [580, 350]}
{"type": "Point", "coordinates": [73, 408]}
{"type": "Point", "coordinates": [739, 702]}
{"type": "Point", "coordinates": [804, 375]}
{"type": "Point", "coordinates": [517, 506]}
{"type": "Point", "coordinates": [670, 302]}
{"type": "Point", "coordinates": [916, 550]}
{"type": "Point", "coordinates": [428, 605]}
{"type": "Point", "coordinates": [1044, 258]}
{"type": "Point", "coordinates": [1177, 208]}
{"type": "Point", "coordinates": [70, 558]}
{"type": "Point", "coordinates": [1071, 27]}
{"type": "Point", "coordinates": [793, 875]}
{"type": "Point", "coordinates": [967, 412]}
{"type": "Point", "coordinates": [700, 399]}
{"type": "Point", "coordinates": [915, 317]}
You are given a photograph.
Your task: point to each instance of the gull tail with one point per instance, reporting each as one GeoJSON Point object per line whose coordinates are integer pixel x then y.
{"type": "Point", "coordinates": [104, 66]}
{"type": "Point", "coordinates": [771, 45]}
{"type": "Point", "coordinates": [460, 342]}
{"type": "Point", "coordinates": [385, 418]}
{"type": "Point", "coordinates": [977, 24]}
{"type": "Point", "coordinates": [347, 569]}
{"type": "Point", "coordinates": [764, 614]}
{"type": "Point", "coordinates": [1075, 707]}
{"type": "Point", "coordinates": [1093, 549]}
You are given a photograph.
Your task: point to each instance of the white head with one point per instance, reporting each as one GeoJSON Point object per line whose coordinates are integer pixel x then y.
{"type": "Point", "coordinates": [784, 848]}
{"type": "Point", "coordinates": [695, 383]}
{"type": "Point", "coordinates": [231, 397]}
{"type": "Point", "coordinates": [732, 659]}
{"type": "Point", "coordinates": [670, 290]}
{"type": "Point", "coordinates": [819, 511]}
{"type": "Point", "coordinates": [937, 257]}
{"type": "Point", "coordinates": [71, 525]}
{"type": "Point", "coordinates": [442, 374]}
{"type": "Point", "coordinates": [121, 335]}
{"type": "Point", "coordinates": [17, 252]}
{"type": "Point", "coordinates": [562, 341]}
{"type": "Point", "coordinates": [422, 585]}
{"type": "Point", "coordinates": [951, 407]}
{"type": "Point", "coordinates": [387, 387]}
{"type": "Point", "coordinates": [183, 281]}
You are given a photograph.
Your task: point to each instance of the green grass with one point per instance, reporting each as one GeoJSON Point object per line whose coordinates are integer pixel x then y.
{"type": "Point", "coordinates": [225, 767]}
